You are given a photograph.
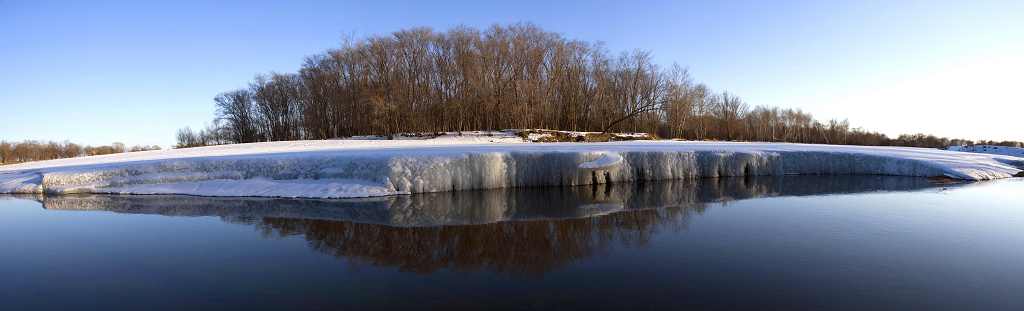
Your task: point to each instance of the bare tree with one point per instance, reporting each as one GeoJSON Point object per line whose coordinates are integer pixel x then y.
{"type": "Point", "coordinates": [636, 87]}
{"type": "Point", "coordinates": [703, 102]}
{"type": "Point", "coordinates": [730, 111]}
{"type": "Point", "coordinates": [677, 102]}
{"type": "Point", "coordinates": [5, 152]}
{"type": "Point", "coordinates": [237, 110]}
{"type": "Point", "coordinates": [276, 99]}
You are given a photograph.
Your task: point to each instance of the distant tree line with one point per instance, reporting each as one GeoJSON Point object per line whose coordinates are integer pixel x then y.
{"type": "Point", "coordinates": [932, 141]}
{"type": "Point", "coordinates": [37, 150]}
{"type": "Point", "coordinates": [211, 135]}
{"type": "Point", "coordinates": [516, 76]}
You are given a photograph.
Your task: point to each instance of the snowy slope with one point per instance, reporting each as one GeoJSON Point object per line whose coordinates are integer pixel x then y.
{"type": "Point", "coordinates": [366, 168]}
{"type": "Point", "coordinates": [988, 149]}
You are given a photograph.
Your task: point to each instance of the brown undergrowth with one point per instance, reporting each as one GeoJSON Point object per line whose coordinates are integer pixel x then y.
{"type": "Point", "coordinates": [562, 136]}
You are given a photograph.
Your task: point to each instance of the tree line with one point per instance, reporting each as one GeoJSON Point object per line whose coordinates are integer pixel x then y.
{"type": "Point", "coordinates": [37, 150]}
{"type": "Point", "coordinates": [516, 76]}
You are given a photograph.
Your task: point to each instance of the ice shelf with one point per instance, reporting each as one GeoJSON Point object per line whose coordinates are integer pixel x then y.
{"type": "Point", "coordinates": [352, 168]}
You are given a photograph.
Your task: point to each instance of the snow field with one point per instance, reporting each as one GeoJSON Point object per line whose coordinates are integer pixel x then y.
{"type": "Point", "coordinates": [989, 149]}
{"type": "Point", "coordinates": [369, 168]}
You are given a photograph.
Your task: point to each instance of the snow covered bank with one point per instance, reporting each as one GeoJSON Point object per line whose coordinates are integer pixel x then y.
{"type": "Point", "coordinates": [367, 168]}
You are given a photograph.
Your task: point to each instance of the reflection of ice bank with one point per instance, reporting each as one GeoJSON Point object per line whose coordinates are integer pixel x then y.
{"type": "Point", "coordinates": [494, 205]}
{"type": "Point", "coordinates": [332, 169]}
{"type": "Point", "coordinates": [521, 231]}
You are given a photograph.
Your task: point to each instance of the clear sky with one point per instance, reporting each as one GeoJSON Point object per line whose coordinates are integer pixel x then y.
{"type": "Point", "coordinates": [95, 72]}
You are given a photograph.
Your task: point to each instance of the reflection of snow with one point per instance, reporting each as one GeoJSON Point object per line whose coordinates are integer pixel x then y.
{"type": "Point", "coordinates": [493, 205]}
{"type": "Point", "coordinates": [259, 187]}
{"type": "Point", "coordinates": [364, 168]}
{"type": "Point", "coordinates": [600, 209]}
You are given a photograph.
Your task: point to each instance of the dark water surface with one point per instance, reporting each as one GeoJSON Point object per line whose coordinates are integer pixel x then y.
{"type": "Point", "coordinates": [792, 242]}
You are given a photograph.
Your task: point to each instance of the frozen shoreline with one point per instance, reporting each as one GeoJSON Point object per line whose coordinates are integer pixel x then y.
{"type": "Point", "coordinates": [367, 168]}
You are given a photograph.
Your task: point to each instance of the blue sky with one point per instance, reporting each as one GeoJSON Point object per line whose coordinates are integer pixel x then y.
{"type": "Point", "coordinates": [96, 72]}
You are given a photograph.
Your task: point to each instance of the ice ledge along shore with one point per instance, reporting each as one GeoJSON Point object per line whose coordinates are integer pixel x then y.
{"type": "Point", "coordinates": [359, 168]}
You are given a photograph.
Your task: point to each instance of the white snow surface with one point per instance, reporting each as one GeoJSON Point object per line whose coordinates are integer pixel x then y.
{"type": "Point", "coordinates": [989, 149]}
{"type": "Point", "coordinates": [606, 161]}
{"type": "Point", "coordinates": [346, 168]}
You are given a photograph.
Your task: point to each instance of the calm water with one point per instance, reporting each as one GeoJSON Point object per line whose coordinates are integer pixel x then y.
{"type": "Point", "coordinates": [792, 242]}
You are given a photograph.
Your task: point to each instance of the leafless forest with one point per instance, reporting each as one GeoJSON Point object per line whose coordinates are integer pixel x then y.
{"type": "Point", "coordinates": [517, 76]}
{"type": "Point", "coordinates": [37, 150]}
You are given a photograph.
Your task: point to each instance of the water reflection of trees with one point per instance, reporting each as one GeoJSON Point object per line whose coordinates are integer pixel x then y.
{"type": "Point", "coordinates": [520, 231]}
{"type": "Point", "coordinates": [488, 206]}
{"type": "Point", "coordinates": [516, 247]}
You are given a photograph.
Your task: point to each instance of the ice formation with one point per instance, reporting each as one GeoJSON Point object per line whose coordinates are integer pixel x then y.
{"type": "Point", "coordinates": [358, 168]}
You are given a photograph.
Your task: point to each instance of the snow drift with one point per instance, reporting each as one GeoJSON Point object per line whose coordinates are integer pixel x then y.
{"type": "Point", "coordinates": [358, 168]}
